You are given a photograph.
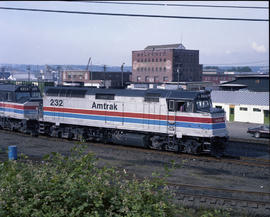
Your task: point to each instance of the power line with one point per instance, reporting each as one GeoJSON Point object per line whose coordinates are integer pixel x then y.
{"type": "Point", "coordinates": [134, 15]}
{"type": "Point", "coordinates": [175, 5]}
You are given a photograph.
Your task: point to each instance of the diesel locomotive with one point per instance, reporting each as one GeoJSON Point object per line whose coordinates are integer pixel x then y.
{"type": "Point", "coordinates": [172, 120]}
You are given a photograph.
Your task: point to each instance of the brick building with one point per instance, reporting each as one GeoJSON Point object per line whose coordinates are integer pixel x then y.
{"type": "Point", "coordinates": [165, 63]}
{"type": "Point", "coordinates": [217, 79]}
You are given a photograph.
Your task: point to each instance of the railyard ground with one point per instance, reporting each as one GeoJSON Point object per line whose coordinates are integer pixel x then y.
{"type": "Point", "coordinates": [143, 164]}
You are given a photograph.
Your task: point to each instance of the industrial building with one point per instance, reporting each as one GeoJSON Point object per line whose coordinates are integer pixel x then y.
{"type": "Point", "coordinates": [166, 63]}
{"type": "Point", "coordinates": [243, 106]}
{"type": "Point", "coordinates": [256, 83]}
{"type": "Point", "coordinates": [96, 78]}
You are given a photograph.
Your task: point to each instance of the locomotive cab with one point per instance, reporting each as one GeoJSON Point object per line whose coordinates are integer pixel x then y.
{"type": "Point", "coordinates": [199, 126]}
{"type": "Point", "coordinates": [20, 107]}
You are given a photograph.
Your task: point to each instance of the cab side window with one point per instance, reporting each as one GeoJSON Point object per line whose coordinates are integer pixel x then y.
{"type": "Point", "coordinates": [184, 106]}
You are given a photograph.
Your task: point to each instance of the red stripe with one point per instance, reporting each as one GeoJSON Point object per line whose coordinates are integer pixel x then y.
{"type": "Point", "coordinates": [21, 107]}
{"type": "Point", "coordinates": [135, 115]}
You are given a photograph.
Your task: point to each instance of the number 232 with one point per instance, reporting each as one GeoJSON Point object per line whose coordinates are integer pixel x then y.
{"type": "Point", "coordinates": [56, 102]}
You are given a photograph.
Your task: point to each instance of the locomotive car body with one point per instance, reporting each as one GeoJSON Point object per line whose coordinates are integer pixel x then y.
{"type": "Point", "coordinates": [174, 120]}
{"type": "Point", "coordinates": [20, 107]}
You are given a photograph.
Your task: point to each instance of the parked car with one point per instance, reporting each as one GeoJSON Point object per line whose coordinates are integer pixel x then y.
{"type": "Point", "coordinates": [261, 131]}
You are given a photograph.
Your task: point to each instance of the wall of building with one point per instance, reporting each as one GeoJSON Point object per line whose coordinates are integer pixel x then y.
{"type": "Point", "coordinates": [152, 65]}
{"type": "Point", "coordinates": [246, 113]}
{"type": "Point", "coordinates": [190, 69]}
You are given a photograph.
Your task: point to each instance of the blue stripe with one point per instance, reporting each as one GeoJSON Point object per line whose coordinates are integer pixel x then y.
{"type": "Point", "coordinates": [137, 121]}
{"type": "Point", "coordinates": [19, 111]}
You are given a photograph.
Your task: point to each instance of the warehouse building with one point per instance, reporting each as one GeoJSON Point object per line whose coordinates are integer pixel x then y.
{"type": "Point", "coordinates": [243, 106]}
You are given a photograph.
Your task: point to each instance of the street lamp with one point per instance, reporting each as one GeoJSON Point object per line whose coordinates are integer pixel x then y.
{"type": "Point", "coordinates": [122, 70]}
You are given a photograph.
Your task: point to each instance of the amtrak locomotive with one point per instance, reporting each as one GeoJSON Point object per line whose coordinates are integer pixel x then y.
{"type": "Point", "coordinates": [173, 120]}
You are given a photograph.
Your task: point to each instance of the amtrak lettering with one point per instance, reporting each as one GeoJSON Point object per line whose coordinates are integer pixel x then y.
{"type": "Point", "coordinates": [104, 106]}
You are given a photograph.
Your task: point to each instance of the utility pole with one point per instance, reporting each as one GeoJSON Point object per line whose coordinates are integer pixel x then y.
{"type": "Point", "coordinates": [178, 73]}
{"type": "Point", "coordinates": [122, 70]}
{"type": "Point", "coordinates": [104, 68]}
{"type": "Point", "coordinates": [28, 70]}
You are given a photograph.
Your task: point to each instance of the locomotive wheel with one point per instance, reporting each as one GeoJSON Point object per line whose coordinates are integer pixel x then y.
{"type": "Point", "coordinates": [59, 134]}
{"type": "Point", "coordinates": [191, 146]}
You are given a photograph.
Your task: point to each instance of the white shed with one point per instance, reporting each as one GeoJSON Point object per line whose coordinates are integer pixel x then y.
{"type": "Point", "coordinates": [243, 106]}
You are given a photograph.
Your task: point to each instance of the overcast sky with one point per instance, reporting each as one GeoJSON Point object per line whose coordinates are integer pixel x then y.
{"type": "Point", "coordinates": [55, 38]}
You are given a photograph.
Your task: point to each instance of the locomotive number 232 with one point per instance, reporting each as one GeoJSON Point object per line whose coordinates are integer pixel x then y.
{"type": "Point", "coordinates": [56, 102]}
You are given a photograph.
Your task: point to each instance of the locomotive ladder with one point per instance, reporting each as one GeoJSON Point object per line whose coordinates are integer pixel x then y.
{"type": "Point", "coordinates": [171, 124]}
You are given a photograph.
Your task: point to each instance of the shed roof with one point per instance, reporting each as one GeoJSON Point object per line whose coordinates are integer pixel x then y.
{"type": "Point", "coordinates": [240, 97]}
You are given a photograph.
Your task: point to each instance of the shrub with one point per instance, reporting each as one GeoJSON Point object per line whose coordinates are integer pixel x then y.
{"type": "Point", "coordinates": [74, 186]}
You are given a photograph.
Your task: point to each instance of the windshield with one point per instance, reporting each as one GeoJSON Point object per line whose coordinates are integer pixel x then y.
{"type": "Point", "coordinates": [203, 105]}
{"type": "Point", "coordinates": [35, 94]}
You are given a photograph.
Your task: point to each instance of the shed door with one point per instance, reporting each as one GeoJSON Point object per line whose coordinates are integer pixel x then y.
{"type": "Point", "coordinates": [266, 116]}
{"type": "Point", "coordinates": [231, 113]}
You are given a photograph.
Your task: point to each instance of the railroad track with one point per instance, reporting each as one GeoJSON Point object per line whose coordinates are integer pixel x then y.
{"type": "Point", "coordinates": [247, 161]}
{"type": "Point", "coordinates": [249, 202]}
{"type": "Point", "coordinates": [252, 207]}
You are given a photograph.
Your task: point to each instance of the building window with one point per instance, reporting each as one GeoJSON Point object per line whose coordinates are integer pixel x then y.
{"type": "Point", "coordinates": [153, 60]}
{"type": "Point", "coordinates": [146, 78]}
{"type": "Point", "coordinates": [145, 60]}
{"type": "Point", "coordinates": [156, 59]}
{"type": "Point", "coordinates": [160, 69]}
{"type": "Point", "coordinates": [156, 79]}
{"type": "Point", "coordinates": [165, 78]}
{"type": "Point", "coordinates": [164, 59]}
{"type": "Point", "coordinates": [138, 55]}
{"type": "Point", "coordinates": [138, 78]}
{"type": "Point", "coordinates": [243, 109]}
{"type": "Point", "coordinates": [257, 81]}
{"type": "Point", "coordinates": [257, 110]}
{"type": "Point", "coordinates": [138, 69]}
{"type": "Point", "coordinates": [152, 69]}
{"type": "Point", "coordinates": [160, 60]}
{"type": "Point", "coordinates": [164, 69]}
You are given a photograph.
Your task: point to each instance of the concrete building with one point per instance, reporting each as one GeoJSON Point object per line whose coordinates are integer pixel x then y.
{"type": "Point", "coordinates": [243, 106]}
{"type": "Point", "coordinates": [165, 63]}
